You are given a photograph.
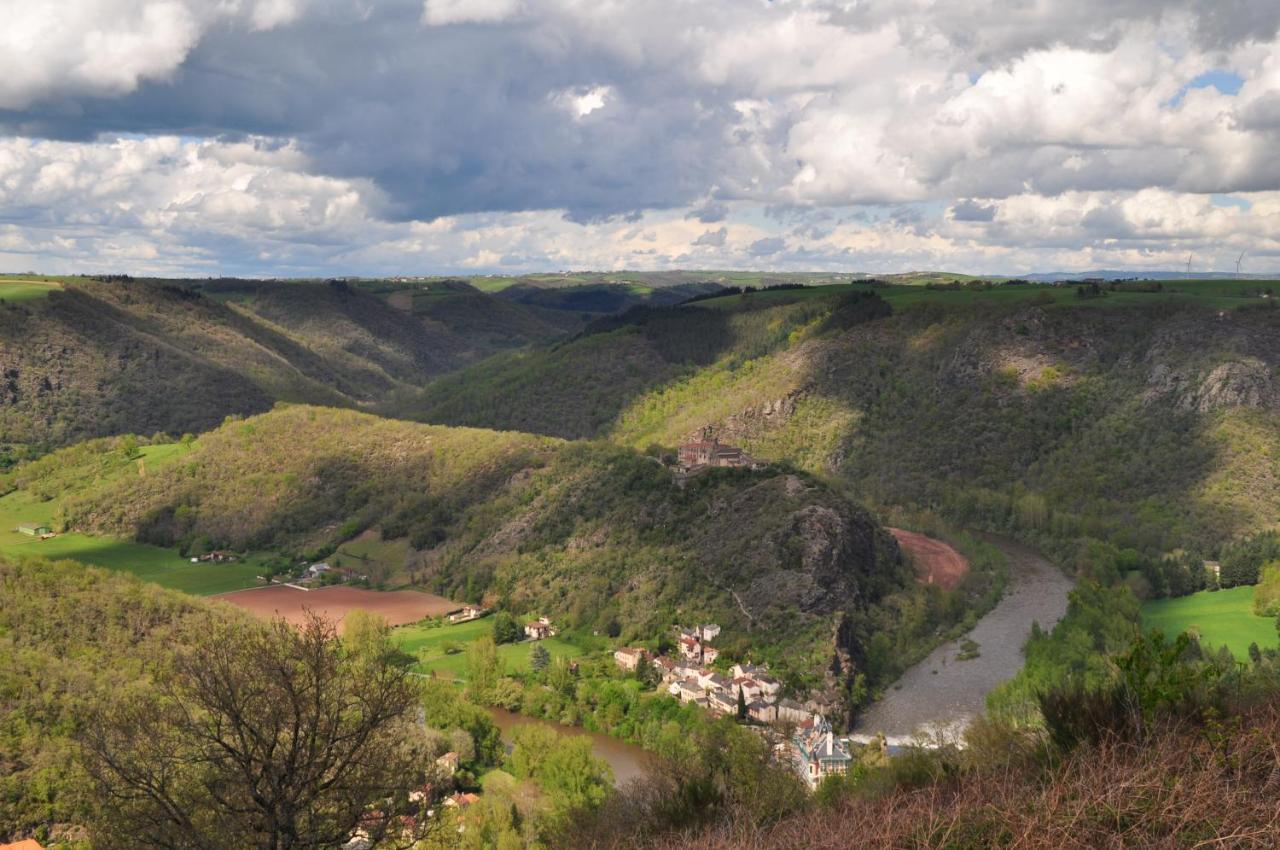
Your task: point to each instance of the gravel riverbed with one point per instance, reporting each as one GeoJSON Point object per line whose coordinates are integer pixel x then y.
{"type": "Point", "coordinates": [941, 695]}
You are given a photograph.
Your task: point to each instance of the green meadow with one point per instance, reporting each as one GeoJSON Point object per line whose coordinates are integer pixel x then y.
{"type": "Point", "coordinates": [150, 563]}
{"type": "Point", "coordinates": [441, 650]}
{"type": "Point", "coordinates": [25, 289]}
{"type": "Point", "coordinates": [1221, 618]}
{"type": "Point", "coordinates": [1212, 293]}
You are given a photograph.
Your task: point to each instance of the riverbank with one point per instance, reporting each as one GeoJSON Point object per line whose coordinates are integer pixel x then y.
{"type": "Point", "coordinates": [628, 761]}
{"type": "Point", "coordinates": [941, 695]}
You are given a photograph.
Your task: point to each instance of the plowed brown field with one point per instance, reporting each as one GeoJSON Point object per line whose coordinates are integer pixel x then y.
{"type": "Point", "coordinates": [335, 602]}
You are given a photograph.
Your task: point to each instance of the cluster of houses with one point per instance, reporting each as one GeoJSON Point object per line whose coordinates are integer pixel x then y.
{"type": "Point", "coordinates": [814, 749]}
{"type": "Point", "coordinates": [688, 677]}
{"type": "Point", "coordinates": [407, 825]}
{"type": "Point", "coordinates": [317, 572]}
{"type": "Point", "coordinates": [217, 556]}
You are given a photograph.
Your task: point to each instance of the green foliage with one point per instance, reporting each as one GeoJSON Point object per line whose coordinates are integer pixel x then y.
{"type": "Point", "coordinates": [445, 708]}
{"type": "Point", "coordinates": [146, 356]}
{"type": "Point", "coordinates": [1266, 596]}
{"type": "Point", "coordinates": [506, 629]}
{"type": "Point", "coordinates": [1099, 622]}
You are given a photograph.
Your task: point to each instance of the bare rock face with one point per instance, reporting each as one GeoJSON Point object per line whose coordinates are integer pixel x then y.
{"type": "Point", "coordinates": [814, 554]}
{"type": "Point", "coordinates": [1238, 383]}
{"type": "Point", "coordinates": [1246, 382]}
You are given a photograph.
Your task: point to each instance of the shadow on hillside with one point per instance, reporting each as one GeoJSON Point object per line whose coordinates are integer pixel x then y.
{"type": "Point", "coordinates": [1037, 422]}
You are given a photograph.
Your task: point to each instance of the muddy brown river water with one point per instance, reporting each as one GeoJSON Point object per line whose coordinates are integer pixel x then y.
{"type": "Point", "coordinates": [627, 760]}
{"type": "Point", "coordinates": [941, 695]}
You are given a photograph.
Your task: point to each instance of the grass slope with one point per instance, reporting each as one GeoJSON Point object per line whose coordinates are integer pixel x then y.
{"type": "Point", "coordinates": [441, 650]}
{"type": "Point", "coordinates": [93, 358]}
{"type": "Point", "coordinates": [162, 565]}
{"type": "Point", "coordinates": [588, 532]}
{"type": "Point", "coordinates": [1150, 419]}
{"type": "Point", "coordinates": [1221, 618]}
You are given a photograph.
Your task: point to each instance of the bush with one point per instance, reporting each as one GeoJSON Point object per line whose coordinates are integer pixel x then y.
{"type": "Point", "coordinates": [1266, 596]}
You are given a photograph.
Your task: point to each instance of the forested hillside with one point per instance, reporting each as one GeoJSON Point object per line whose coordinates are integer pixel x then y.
{"type": "Point", "coordinates": [1148, 421]}
{"type": "Point", "coordinates": [97, 357]}
{"type": "Point", "coordinates": [599, 534]}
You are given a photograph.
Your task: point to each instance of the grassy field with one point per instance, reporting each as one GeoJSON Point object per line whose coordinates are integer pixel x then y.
{"type": "Point", "coordinates": [1213, 293]}
{"type": "Point", "coordinates": [25, 289]}
{"type": "Point", "coordinates": [150, 563]}
{"type": "Point", "coordinates": [430, 644]}
{"type": "Point", "coordinates": [1222, 618]}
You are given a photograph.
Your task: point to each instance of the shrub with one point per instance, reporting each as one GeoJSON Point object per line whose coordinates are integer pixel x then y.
{"type": "Point", "coordinates": [1266, 596]}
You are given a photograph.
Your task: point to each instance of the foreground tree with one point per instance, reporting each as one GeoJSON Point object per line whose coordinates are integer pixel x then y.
{"type": "Point", "coordinates": [269, 737]}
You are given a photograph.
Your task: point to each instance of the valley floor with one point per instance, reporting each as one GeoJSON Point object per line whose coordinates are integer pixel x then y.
{"type": "Point", "coordinates": [944, 693]}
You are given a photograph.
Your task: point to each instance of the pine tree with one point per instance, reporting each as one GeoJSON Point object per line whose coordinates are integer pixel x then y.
{"type": "Point", "coordinates": [539, 658]}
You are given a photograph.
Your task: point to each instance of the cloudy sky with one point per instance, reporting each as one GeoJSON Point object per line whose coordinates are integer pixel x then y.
{"type": "Point", "coordinates": [288, 137]}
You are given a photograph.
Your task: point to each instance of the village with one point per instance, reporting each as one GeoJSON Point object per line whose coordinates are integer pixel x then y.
{"type": "Point", "coordinates": [748, 692]}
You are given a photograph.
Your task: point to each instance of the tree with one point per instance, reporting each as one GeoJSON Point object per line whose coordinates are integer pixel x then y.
{"type": "Point", "coordinates": [506, 629]}
{"type": "Point", "coordinates": [250, 736]}
{"type": "Point", "coordinates": [573, 777]}
{"type": "Point", "coordinates": [1266, 596]}
{"type": "Point", "coordinates": [539, 658]}
{"type": "Point", "coordinates": [484, 669]}
{"type": "Point", "coordinates": [742, 705]}
{"type": "Point", "coordinates": [1255, 654]}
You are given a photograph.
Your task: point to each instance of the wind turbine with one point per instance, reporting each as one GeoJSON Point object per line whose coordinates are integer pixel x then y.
{"type": "Point", "coordinates": [1188, 265]}
{"type": "Point", "coordinates": [1239, 260]}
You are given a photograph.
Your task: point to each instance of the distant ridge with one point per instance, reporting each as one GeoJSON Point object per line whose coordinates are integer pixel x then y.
{"type": "Point", "coordinates": [1107, 274]}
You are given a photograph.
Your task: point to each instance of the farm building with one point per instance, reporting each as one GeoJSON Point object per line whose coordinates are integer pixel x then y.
{"type": "Point", "coordinates": [539, 629]}
{"type": "Point", "coordinates": [469, 612]}
{"type": "Point", "coordinates": [34, 529]}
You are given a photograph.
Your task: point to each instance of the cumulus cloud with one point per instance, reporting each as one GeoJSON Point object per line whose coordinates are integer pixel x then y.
{"type": "Point", "coordinates": [713, 238]}
{"type": "Point", "coordinates": [933, 133]}
{"type": "Point", "coordinates": [440, 13]}
{"type": "Point", "coordinates": [109, 47]}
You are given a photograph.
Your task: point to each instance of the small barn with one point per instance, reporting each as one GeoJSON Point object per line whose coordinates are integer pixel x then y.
{"type": "Point", "coordinates": [34, 529]}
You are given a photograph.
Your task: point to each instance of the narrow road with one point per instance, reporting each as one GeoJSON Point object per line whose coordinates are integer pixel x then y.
{"type": "Point", "coordinates": [940, 696]}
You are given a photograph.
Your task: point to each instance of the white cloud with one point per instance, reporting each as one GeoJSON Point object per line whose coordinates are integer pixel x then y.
{"type": "Point", "coordinates": [440, 13]}
{"type": "Point", "coordinates": [1001, 135]}
{"type": "Point", "coordinates": [54, 48]}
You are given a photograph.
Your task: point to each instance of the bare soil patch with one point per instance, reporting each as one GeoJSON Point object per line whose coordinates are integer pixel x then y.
{"type": "Point", "coordinates": [334, 603]}
{"type": "Point", "coordinates": [935, 561]}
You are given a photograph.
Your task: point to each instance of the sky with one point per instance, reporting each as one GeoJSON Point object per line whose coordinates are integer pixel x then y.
{"type": "Point", "coordinates": [382, 137]}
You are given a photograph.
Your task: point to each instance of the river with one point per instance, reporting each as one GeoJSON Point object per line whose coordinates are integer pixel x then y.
{"type": "Point", "coordinates": [941, 695]}
{"type": "Point", "coordinates": [627, 760]}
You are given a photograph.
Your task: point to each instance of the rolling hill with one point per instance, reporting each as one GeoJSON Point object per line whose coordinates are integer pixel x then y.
{"type": "Point", "coordinates": [1149, 419]}
{"type": "Point", "coordinates": [597, 533]}
{"type": "Point", "coordinates": [99, 357]}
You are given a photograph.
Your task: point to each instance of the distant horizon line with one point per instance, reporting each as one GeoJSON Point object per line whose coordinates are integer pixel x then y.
{"type": "Point", "coordinates": [1140, 274]}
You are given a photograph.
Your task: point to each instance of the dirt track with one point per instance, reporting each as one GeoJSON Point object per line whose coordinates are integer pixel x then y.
{"type": "Point", "coordinates": [941, 694]}
{"type": "Point", "coordinates": [935, 561]}
{"type": "Point", "coordinates": [335, 602]}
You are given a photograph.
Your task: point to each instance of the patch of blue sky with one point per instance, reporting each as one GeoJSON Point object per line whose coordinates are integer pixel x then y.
{"type": "Point", "coordinates": [1227, 82]}
{"type": "Point", "coordinates": [1230, 201]}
